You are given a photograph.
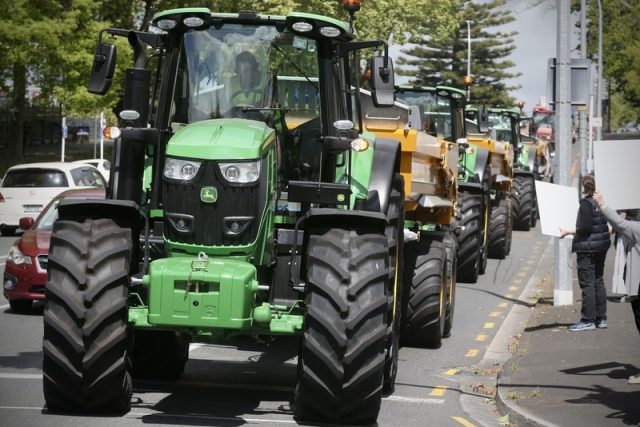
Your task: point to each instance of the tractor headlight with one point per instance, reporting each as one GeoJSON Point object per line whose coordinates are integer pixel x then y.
{"type": "Point", "coordinates": [241, 172]}
{"type": "Point", "coordinates": [183, 170]}
{"type": "Point", "coordinates": [17, 257]}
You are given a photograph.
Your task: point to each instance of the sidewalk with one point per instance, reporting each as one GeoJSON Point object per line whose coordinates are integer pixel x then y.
{"type": "Point", "coordinates": [557, 377]}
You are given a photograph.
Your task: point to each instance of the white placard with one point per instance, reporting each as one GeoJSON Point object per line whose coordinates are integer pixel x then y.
{"type": "Point", "coordinates": [558, 207]}
{"type": "Point", "coordinates": [617, 171]}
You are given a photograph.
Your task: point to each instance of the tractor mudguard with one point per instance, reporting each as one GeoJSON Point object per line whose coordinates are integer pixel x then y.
{"type": "Point", "coordinates": [472, 187]}
{"type": "Point", "coordinates": [482, 158]}
{"type": "Point", "coordinates": [386, 161]}
{"type": "Point", "coordinates": [325, 218]}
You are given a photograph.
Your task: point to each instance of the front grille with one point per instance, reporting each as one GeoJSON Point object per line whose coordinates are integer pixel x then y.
{"type": "Point", "coordinates": [206, 221]}
{"type": "Point", "coordinates": [43, 261]}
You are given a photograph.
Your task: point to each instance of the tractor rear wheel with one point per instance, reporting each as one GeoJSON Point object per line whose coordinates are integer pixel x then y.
{"type": "Point", "coordinates": [500, 228]}
{"type": "Point", "coordinates": [159, 355]}
{"type": "Point", "coordinates": [342, 358]}
{"type": "Point", "coordinates": [86, 363]}
{"type": "Point", "coordinates": [522, 201]}
{"type": "Point", "coordinates": [425, 289]}
{"type": "Point", "coordinates": [469, 237]}
{"type": "Point", "coordinates": [395, 234]}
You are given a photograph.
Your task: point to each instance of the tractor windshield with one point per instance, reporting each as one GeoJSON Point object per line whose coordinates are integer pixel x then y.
{"type": "Point", "coordinates": [245, 71]}
{"type": "Point", "coordinates": [501, 124]}
{"type": "Point", "coordinates": [436, 112]}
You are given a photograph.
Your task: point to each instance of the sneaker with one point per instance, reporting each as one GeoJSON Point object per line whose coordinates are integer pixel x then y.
{"type": "Point", "coordinates": [582, 326]}
{"type": "Point", "coordinates": [601, 324]}
{"type": "Point", "coordinates": [634, 380]}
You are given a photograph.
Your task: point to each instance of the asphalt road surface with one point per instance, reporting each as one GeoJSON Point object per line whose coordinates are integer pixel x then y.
{"type": "Point", "coordinates": [249, 382]}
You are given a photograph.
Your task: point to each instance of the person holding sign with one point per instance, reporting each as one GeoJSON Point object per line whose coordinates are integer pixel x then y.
{"type": "Point", "coordinates": [630, 230]}
{"type": "Point", "coordinates": [591, 242]}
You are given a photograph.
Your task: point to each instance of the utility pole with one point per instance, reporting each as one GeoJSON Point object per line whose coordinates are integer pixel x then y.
{"type": "Point", "coordinates": [563, 289]}
{"type": "Point", "coordinates": [582, 109]}
{"type": "Point", "coordinates": [599, 86]}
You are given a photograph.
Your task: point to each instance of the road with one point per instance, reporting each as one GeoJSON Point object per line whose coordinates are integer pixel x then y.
{"type": "Point", "coordinates": [247, 382]}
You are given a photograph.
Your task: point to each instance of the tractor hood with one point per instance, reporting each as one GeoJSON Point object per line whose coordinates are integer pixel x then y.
{"type": "Point", "coordinates": [221, 139]}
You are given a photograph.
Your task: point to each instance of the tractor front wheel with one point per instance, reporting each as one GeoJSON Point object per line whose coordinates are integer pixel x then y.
{"type": "Point", "coordinates": [522, 202]}
{"type": "Point", "coordinates": [500, 228]}
{"type": "Point", "coordinates": [342, 358]}
{"type": "Point", "coordinates": [86, 363]}
{"type": "Point", "coordinates": [425, 277]}
{"type": "Point", "coordinates": [469, 236]}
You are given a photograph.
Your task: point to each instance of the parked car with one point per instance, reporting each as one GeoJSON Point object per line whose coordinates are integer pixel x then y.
{"type": "Point", "coordinates": [27, 188]}
{"type": "Point", "coordinates": [103, 165]}
{"type": "Point", "coordinates": [25, 273]}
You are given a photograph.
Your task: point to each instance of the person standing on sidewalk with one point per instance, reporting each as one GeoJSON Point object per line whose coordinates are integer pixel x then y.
{"type": "Point", "coordinates": [630, 230]}
{"type": "Point", "coordinates": [590, 244]}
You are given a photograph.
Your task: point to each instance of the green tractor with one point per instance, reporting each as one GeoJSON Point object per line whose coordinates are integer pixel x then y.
{"type": "Point", "coordinates": [528, 162]}
{"type": "Point", "coordinates": [262, 214]}
{"type": "Point", "coordinates": [423, 122]}
{"type": "Point", "coordinates": [444, 116]}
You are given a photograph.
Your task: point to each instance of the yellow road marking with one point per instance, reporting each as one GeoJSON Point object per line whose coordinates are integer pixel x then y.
{"type": "Point", "coordinates": [503, 304]}
{"type": "Point", "coordinates": [472, 353]}
{"type": "Point", "coordinates": [495, 314]}
{"type": "Point", "coordinates": [521, 274]}
{"type": "Point", "coordinates": [489, 325]}
{"type": "Point", "coordinates": [438, 391]}
{"type": "Point", "coordinates": [482, 337]}
{"type": "Point", "coordinates": [509, 296]}
{"type": "Point", "coordinates": [463, 422]}
{"type": "Point", "coordinates": [517, 281]}
{"type": "Point", "coordinates": [450, 372]}
{"type": "Point", "coordinates": [513, 288]}
{"type": "Point", "coordinates": [531, 262]}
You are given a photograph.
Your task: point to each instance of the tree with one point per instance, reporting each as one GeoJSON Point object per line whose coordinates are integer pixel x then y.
{"type": "Point", "coordinates": [432, 61]}
{"type": "Point", "coordinates": [44, 43]}
{"type": "Point", "coordinates": [621, 50]}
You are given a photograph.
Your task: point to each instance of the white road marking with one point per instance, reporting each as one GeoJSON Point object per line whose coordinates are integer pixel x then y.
{"type": "Point", "coordinates": [9, 376]}
{"type": "Point", "coordinates": [413, 399]}
{"type": "Point", "coordinates": [2, 307]}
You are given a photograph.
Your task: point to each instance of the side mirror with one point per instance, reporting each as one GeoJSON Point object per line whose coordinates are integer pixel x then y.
{"type": "Point", "coordinates": [382, 81]}
{"type": "Point", "coordinates": [483, 120]}
{"type": "Point", "coordinates": [103, 68]}
{"type": "Point", "coordinates": [26, 223]}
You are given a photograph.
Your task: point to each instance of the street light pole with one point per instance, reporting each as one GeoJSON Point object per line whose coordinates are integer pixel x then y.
{"type": "Point", "coordinates": [469, 58]}
{"type": "Point", "coordinates": [599, 84]}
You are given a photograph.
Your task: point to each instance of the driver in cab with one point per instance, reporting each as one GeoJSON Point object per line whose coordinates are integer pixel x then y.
{"type": "Point", "coordinates": [245, 84]}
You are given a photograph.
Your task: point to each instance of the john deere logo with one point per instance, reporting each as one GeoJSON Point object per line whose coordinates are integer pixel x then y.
{"type": "Point", "coordinates": [208, 194]}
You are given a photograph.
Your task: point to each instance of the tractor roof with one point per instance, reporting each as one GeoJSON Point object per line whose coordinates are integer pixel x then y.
{"type": "Point", "coordinates": [305, 24]}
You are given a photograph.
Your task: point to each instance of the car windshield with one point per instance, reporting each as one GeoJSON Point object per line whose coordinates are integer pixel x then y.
{"type": "Point", "coordinates": [87, 177]}
{"type": "Point", "coordinates": [222, 70]}
{"type": "Point", "coordinates": [47, 218]}
{"type": "Point", "coordinates": [436, 118]}
{"type": "Point", "coordinates": [35, 177]}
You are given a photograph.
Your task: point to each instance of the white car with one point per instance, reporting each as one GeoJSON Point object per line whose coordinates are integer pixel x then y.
{"type": "Point", "coordinates": [103, 165]}
{"type": "Point", "coordinates": [27, 188]}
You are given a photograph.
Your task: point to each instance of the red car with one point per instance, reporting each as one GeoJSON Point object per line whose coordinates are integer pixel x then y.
{"type": "Point", "coordinates": [25, 273]}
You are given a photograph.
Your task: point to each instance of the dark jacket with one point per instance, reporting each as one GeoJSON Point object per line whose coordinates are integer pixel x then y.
{"type": "Point", "coordinates": [592, 231]}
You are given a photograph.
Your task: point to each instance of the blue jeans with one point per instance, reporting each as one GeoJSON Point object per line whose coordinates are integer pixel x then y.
{"type": "Point", "coordinates": [594, 294]}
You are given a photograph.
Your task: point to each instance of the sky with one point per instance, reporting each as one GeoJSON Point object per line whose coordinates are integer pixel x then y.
{"type": "Point", "coordinates": [535, 22]}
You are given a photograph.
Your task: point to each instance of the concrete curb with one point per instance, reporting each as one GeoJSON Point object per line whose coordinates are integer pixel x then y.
{"type": "Point", "coordinates": [499, 353]}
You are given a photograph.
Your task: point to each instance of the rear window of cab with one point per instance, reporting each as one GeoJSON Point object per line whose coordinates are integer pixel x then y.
{"type": "Point", "coordinates": [35, 178]}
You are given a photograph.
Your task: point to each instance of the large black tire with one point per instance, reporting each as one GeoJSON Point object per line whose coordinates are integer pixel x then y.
{"type": "Point", "coordinates": [535, 212]}
{"type": "Point", "coordinates": [522, 202]}
{"type": "Point", "coordinates": [470, 241]}
{"type": "Point", "coordinates": [425, 288]}
{"type": "Point", "coordinates": [500, 228]}
{"type": "Point", "coordinates": [172, 347]}
{"type": "Point", "coordinates": [341, 363]}
{"type": "Point", "coordinates": [86, 366]}
{"type": "Point", "coordinates": [486, 218]}
{"type": "Point", "coordinates": [395, 235]}
{"type": "Point", "coordinates": [509, 224]}
{"type": "Point", "coordinates": [451, 279]}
